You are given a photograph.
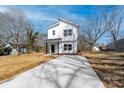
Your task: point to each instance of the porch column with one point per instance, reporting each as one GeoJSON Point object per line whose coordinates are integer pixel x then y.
{"type": "Point", "coordinates": [58, 48]}
{"type": "Point", "coordinates": [46, 47]}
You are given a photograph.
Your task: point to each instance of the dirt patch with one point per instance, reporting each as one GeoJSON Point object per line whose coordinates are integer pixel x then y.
{"type": "Point", "coordinates": [109, 66]}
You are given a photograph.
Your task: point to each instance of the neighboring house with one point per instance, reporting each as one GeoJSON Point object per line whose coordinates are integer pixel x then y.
{"type": "Point", "coordinates": [103, 48]}
{"type": "Point", "coordinates": [9, 50]}
{"type": "Point", "coordinates": [23, 48]}
{"type": "Point", "coordinates": [62, 37]}
{"type": "Point", "coordinates": [119, 45]}
{"type": "Point", "coordinates": [5, 49]}
{"type": "Point", "coordinates": [110, 46]}
{"type": "Point", "coordinates": [40, 40]}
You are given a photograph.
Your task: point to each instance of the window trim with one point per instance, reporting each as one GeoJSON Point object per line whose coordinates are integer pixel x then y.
{"type": "Point", "coordinates": [53, 32]}
{"type": "Point", "coordinates": [67, 47]}
{"type": "Point", "coordinates": [67, 32]}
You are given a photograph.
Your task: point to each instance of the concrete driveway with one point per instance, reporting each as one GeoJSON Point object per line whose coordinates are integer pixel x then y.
{"type": "Point", "coordinates": [62, 72]}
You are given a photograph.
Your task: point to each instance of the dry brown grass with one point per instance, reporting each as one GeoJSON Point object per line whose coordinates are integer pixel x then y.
{"type": "Point", "coordinates": [109, 66]}
{"type": "Point", "coordinates": [13, 65]}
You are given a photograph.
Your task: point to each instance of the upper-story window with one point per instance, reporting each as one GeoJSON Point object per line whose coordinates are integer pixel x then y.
{"type": "Point", "coordinates": [65, 32]}
{"type": "Point", "coordinates": [68, 32]}
{"type": "Point", "coordinates": [53, 32]}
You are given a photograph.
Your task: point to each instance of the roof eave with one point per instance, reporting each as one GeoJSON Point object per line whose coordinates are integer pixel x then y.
{"type": "Point", "coordinates": [69, 22]}
{"type": "Point", "coordinates": [51, 26]}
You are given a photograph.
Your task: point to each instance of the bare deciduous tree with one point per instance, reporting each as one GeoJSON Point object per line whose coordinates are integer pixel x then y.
{"type": "Point", "coordinates": [115, 24]}
{"type": "Point", "coordinates": [95, 29]}
{"type": "Point", "coordinates": [12, 26]}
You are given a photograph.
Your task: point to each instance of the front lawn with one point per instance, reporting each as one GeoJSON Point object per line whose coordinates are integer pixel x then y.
{"type": "Point", "coordinates": [13, 65]}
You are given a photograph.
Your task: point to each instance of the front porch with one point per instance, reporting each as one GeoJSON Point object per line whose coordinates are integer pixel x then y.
{"type": "Point", "coordinates": [52, 46]}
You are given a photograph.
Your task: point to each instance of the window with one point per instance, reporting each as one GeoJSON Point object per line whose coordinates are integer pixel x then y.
{"type": "Point", "coordinates": [53, 32]}
{"type": "Point", "coordinates": [67, 46]}
{"type": "Point", "coordinates": [68, 32]}
{"type": "Point", "coordinates": [65, 33]}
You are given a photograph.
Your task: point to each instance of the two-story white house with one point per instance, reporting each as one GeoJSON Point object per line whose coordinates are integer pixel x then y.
{"type": "Point", "coordinates": [62, 37]}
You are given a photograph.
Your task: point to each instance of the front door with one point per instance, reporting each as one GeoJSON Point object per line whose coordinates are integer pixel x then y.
{"type": "Point", "coordinates": [52, 48]}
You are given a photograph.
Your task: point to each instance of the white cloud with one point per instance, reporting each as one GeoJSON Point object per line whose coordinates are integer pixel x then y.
{"type": "Point", "coordinates": [51, 13]}
{"type": "Point", "coordinates": [39, 16]}
{"type": "Point", "coordinates": [3, 9]}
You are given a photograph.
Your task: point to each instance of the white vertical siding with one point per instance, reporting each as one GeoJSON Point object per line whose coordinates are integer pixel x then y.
{"type": "Point", "coordinates": [74, 47]}
{"type": "Point", "coordinates": [64, 26]}
{"type": "Point", "coordinates": [50, 33]}
{"type": "Point", "coordinates": [59, 33]}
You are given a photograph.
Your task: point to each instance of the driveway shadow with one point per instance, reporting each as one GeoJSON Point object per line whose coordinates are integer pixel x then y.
{"type": "Point", "coordinates": [67, 71]}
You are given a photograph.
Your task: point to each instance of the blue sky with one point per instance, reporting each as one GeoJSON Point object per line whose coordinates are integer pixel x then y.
{"type": "Point", "coordinates": [42, 16]}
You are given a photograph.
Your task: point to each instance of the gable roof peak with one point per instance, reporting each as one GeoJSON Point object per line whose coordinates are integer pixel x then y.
{"type": "Point", "coordinates": [67, 21]}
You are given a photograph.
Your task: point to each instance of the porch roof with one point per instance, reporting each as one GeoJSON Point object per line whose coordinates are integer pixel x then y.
{"type": "Point", "coordinates": [53, 40]}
